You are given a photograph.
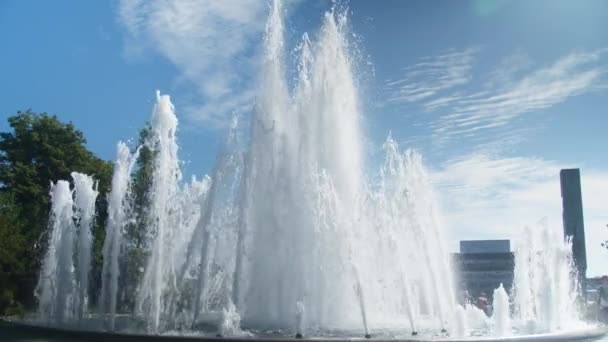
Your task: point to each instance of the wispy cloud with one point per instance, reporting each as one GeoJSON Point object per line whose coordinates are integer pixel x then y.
{"type": "Point", "coordinates": [505, 72]}
{"type": "Point", "coordinates": [498, 97]}
{"type": "Point", "coordinates": [431, 76]}
{"type": "Point", "coordinates": [569, 76]}
{"type": "Point", "coordinates": [485, 196]}
{"type": "Point", "coordinates": [211, 43]}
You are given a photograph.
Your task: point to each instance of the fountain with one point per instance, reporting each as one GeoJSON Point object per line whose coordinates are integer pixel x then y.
{"type": "Point", "coordinates": [85, 194]}
{"type": "Point", "coordinates": [546, 287]}
{"type": "Point", "coordinates": [56, 278]}
{"type": "Point", "coordinates": [119, 212]}
{"type": "Point", "coordinates": [62, 290]}
{"type": "Point", "coordinates": [288, 236]}
{"type": "Point", "coordinates": [162, 214]}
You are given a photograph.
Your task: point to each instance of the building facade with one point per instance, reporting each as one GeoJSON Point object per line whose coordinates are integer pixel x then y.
{"type": "Point", "coordinates": [482, 265]}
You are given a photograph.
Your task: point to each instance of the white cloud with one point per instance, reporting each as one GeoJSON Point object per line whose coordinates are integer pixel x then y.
{"type": "Point", "coordinates": [431, 76]}
{"type": "Point", "coordinates": [503, 75]}
{"type": "Point", "coordinates": [216, 113]}
{"type": "Point", "coordinates": [486, 197]}
{"type": "Point", "coordinates": [489, 106]}
{"type": "Point", "coordinates": [211, 43]}
{"type": "Point", "coordinates": [569, 76]}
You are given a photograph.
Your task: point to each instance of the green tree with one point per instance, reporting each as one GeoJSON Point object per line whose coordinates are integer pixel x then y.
{"type": "Point", "coordinates": [39, 150]}
{"type": "Point", "coordinates": [12, 253]}
{"type": "Point", "coordinates": [12, 242]}
{"type": "Point", "coordinates": [141, 183]}
{"type": "Point", "coordinates": [136, 251]}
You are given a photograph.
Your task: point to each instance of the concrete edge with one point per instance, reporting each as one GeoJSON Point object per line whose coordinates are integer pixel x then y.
{"type": "Point", "coordinates": [22, 328]}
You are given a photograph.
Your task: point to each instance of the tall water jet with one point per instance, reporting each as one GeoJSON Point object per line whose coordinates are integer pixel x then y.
{"type": "Point", "coordinates": [190, 209]}
{"type": "Point", "coordinates": [62, 289]}
{"type": "Point", "coordinates": [170, 223]}
{"type": "Point", "coordinates": [501, 312]}
{"type": "Point", "coordinates": [55, 286]}
{"type": "Point", "coordinates": [305, 161]}
{"type": "Point", "coordinates": [119, 211]}
{"type": "Point", "coordinates": [409, 305]}
{"type": "Point", "coordinates": [159, 273]}
{"type": "Point", "coordinates": [545, 281]}
{"type": "Point", "coordinates": [361, 300]}
{"type": "Point", "coordinates": [218, 211]}
{"type": "Point", "coordinates": [405, 219]}
{"type": "Point", "coordinates": [85, 195]}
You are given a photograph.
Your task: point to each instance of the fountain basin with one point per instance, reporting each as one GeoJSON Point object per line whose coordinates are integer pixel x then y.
{"type": "Point", "coordinates": [16, 330]}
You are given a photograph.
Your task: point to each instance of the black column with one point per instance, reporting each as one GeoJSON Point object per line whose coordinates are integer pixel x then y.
{"type": "Point", "coordinates": [574, 228]}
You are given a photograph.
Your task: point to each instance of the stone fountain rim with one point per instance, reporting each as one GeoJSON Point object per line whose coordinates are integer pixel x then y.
{"type": "Point", "coordinates": [97, 335]}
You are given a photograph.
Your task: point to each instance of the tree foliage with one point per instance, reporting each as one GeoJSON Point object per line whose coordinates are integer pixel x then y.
{"type": "Point", "coordinates": [12, 248]}
{"type": "Point", "coordinates": [136, 251]}
{"type": "Point", "coordinates": [11, 236]}
{"type": "Point", "coordinates": [40, 149]}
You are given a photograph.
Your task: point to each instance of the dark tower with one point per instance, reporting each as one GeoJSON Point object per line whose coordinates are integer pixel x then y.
{"type": "Point", "coordinates": [574, 228]}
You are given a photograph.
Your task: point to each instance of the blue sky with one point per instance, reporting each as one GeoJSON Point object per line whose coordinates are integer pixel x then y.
{"type": "Point", "coordinates": [498, 95]}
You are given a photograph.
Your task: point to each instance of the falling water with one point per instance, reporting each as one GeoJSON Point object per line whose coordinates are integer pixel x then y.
{"type": "Point", "coordinates": [230, 324]}
{"type": "Point", "coordinates": [85, 195]}
{"type": "Point", "coordinates": [62, 289]}
{"type": "Point", "coordinates": [319, 227]}
{"type": "Point", "coordinates": [545, 288]}
{"type": "Point", "coordinates": [207, 244]}
{"type": "Point", "coordinates": [287, 223]}
{"type": "Point", "coordinates": [406, 222]}
{"type": "Point", "coordinates": [56, 283]}
{"type": "Point", "coordinates": [475, 318]}
{"type": "Point", "coordinates": [161, 221]}
{"type": "Point", "coordinates": [289, 217]}
{"type": "Point", "coordinates": [361, 301]}
{"type": "Point", "coordinates": [304, 160]}
{"type": "Point", "coordinates": [170, 222]}
{"type": "Point", "coordinates": [119, 208]}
